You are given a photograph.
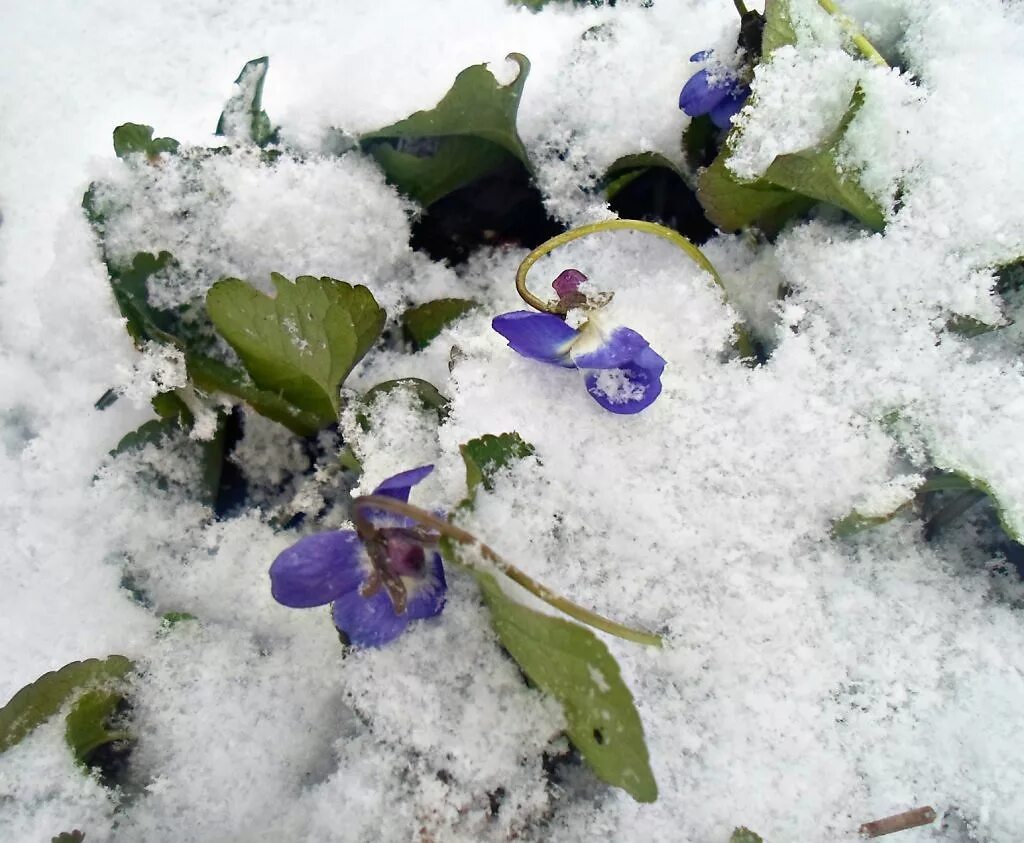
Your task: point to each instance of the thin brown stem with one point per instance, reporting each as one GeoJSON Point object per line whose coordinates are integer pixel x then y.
{"type": "Point", "coordinates": [899, 822]}
{"type": "Point", "coordinates": [445, 528]}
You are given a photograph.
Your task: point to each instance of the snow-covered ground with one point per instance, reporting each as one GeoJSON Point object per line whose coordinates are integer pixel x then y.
{"type": "Point", "coordinates": [808, 683]}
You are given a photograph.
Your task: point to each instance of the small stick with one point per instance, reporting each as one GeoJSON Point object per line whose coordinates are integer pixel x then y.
{"type": "Point", "coordinates": [899, 822]}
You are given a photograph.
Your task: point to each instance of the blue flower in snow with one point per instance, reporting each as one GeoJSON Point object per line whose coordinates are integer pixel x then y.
{"type": "Point", "coordinates": [623, 372]}
{"type": "Point", "coordinates": [719, 94]}
{"type": "Point", "coordinates": [377, 586]}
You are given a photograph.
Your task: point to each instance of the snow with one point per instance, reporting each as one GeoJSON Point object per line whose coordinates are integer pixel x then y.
{"type": "Point", "coordinates": [807, 684]}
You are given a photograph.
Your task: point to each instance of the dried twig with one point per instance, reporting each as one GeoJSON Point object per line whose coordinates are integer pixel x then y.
{"type": "Point", "coordinates": [899, 822]}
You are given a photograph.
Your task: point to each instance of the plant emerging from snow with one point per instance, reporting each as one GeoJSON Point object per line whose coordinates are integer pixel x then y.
{"type": "Point", "coordinates": [714, 90]}
{"type": "Point", "coordinates": [623, 372]}
{"type": "Point", "coordinates": [378, 579]}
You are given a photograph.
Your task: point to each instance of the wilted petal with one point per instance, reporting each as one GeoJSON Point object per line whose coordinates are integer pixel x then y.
{"type": "Point", "coordinates": [700, 94]}
{"type": "Point", "coordinates": [616, 348]}
{"type": "Point", "coordinates": [539, 336]}
{"type": "Point", "coordinates": [722, 114]}
{"type": "Point", "coordinates": [568, 282]}
{"type": "Point", "coordinates": [629, 389]}
{"type": "Point", "coordinates": [426, 597]}
{"type": "Point", "coordinates": [317, 569]}
{"type": "Point", "coordinates": [368, 621]}
{"type": "Point", "coordinates": [399, 485]}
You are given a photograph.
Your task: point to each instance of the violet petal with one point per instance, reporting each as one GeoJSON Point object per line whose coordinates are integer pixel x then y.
{"type": "Point", "coordinates": [700, 95]}
{"type": "Point", "coordinates": [368, 621]}
{"type": "Point", "coordinates": [722, 113]}
{"type": "Point", "coordinates": [317, 569]}
{"type": "Point", "coordinates": [539, 336]}
{"type": "Point", "coordinates": [626, 390]}
{"type": "Point", "coordinates": [398, 486]}
{"type": "Point", "coordinates": [619, 347]}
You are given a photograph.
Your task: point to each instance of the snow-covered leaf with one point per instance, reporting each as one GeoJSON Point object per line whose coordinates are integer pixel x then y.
{"type": "Point", "coordinates": [569, 662]}
{"type": "Point", "coordinates": [790, 185]}
{"type": "Point", "coordinates": [87, 726]}
{"type": "Point", "coordinates": [429, 397]}
{"type": "Point", "coordinates": [303, 343]}
{"type": "Point", "coordinates": [778, 27]}
{"type": "Point", "coordinates": [471, 132]}
{"type": "Point", "coordinates": [243, 117]}
{"type": "Point", "coordinates": [488, 454]}
{"type": "Point", "coordinates": [744, 834]}
{"type": "Point", "coordinates": [135, 137]}
{"type": "Point", "coordinates": [424, 322]}
{"type": "Point", "coordinates": [38, 702]}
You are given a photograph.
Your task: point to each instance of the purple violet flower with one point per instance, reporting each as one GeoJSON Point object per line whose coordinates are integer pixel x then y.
{"type": "Point", "coordinates": [623, 372]}
{"type": "Point", "coordinates": [374, 598]}
{"type": "Point", "coordinates": [720, 94]}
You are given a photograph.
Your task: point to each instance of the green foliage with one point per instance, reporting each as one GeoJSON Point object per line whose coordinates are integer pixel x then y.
{"type": "Point", "coordinates": [470, 133]}
{"type": "Point", "coordinates": [243, 117]}
{"type": "Point", "coordinates": [131, 138]}
{"type": "Point", "coordinates": [778, 27]}
{"type": "Point", "coordinates": [303, 343]}
{"type": "Point", "coordinates": [423, 323]}
{"type": "Point", "coordinates": [560, 657]}
{"type": "Point", "coordinates": [790, 185]}
{"type": "Point", "coordinates": [75, 836]}
{"type": "Point", "coordinates": [426, 392]}
{"type": "Point", "coordinates": [744, 834]}
{"type": "Point", "coordinates": [487, 455]}
{"type": "Point", "coordinates": [87, 726]}
{"type": "Point", "coordinates": [569, 662]}
{"type": "Point", "coordinates": [963, 491]}
{"type": "Point", "coordinates": [38, 702]}
{"type": "Point", "coordinates": [629, 168]}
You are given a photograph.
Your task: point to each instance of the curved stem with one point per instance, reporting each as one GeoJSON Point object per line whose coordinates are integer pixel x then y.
{"type": "Point", "coordinates": [866, 48]}
{"type": "Point", "coordinates": [743, 342]}
{"type": "Point", "coordinates": [448, 529]}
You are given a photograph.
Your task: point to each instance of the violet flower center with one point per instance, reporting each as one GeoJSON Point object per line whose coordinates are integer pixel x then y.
{"type": "Point", "coordinates": [406, 558]}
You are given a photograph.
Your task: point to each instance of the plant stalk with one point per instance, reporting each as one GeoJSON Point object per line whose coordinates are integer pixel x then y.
{"type": "Point", "coordinates": [445, 528]}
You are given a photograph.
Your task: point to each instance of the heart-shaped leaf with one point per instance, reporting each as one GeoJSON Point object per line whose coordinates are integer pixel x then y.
{"type": "Point", "coordinates": [303, 343]}
{"type": "Point", "coordinates": [424, 322]}
{"type": "Point", "coordinates": [132, 138]}
{"type": "Point", "coordinates": [471, 132]}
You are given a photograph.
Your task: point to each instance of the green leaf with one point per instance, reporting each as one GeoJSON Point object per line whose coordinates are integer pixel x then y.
{"type": "Point", "coordinates": [426, 392]}
{"type": "Point", "coordinates": [488, 454]}
{"type": "Point", "coordinates": [152, 432]}
{"type": "Point", "coordinates": [453, 162]}
{"type": "Point", "coordinates": [303, 343]}
{"type": "Point", "coordinates": [243, 117]}
{"type": "Point", "coordinates": [36, 703]}
{"type": "Point", "coordinates": [211, 376]}
{"type": "Point", "coordinates": [778, 27]}
{"type": "Point", "coordinates": [628, 168]}
{"type": "Point", "coordinates": [569, 662]}
{"type": "Point", "coordinates": [471, 132]}
{"type": "Point", "coordinates": [86, 728]}
{"type": "Point", "coordinates": [788, 187]}
{"type": "Point", "coordinates": [75, 836]}
{"type": "Point", "coordinates": [744, 834]}
{"type": "Point", "coordinates": [144, 322]}
{"type": "Point", "coordinates": [423, 323]}
{"type": "Point", "coordinates": [131, 138]}
{"type": "Point", "coordinates": [816, 173]}
{"type": "Point", "coordinates": [732, 203]}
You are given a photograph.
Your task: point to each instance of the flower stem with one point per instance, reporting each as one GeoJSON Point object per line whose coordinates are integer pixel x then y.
{"type": "Point", "coordinates": [741, 7]}
{"type": "Point", "coordinates": [866, 48]}
{"type": "Point", "coordinates": [743, 342]}
{"type": "Point", "coordinates": [445, 528]}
